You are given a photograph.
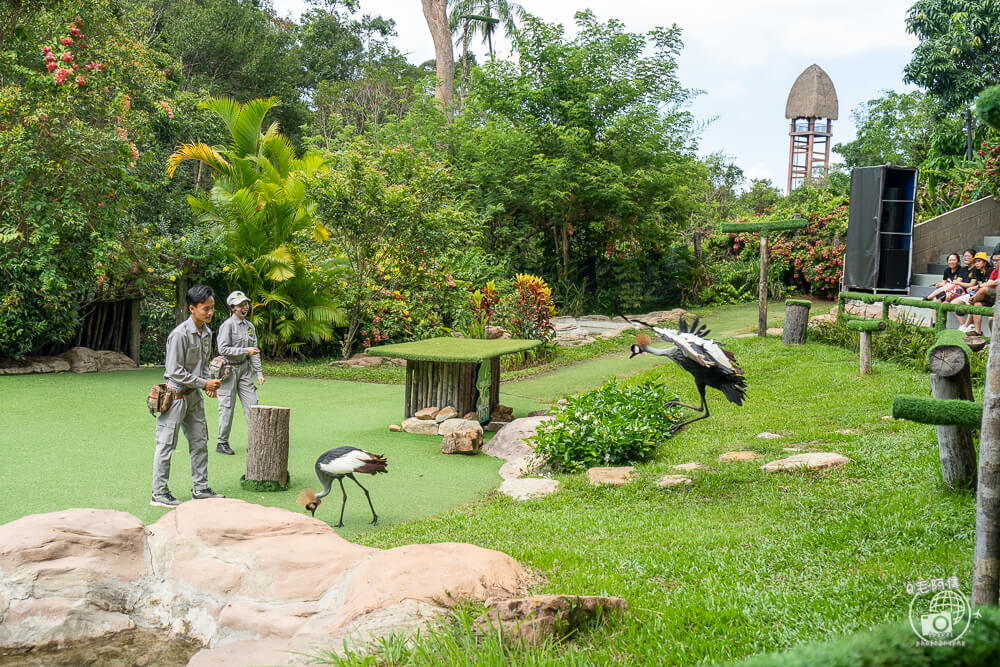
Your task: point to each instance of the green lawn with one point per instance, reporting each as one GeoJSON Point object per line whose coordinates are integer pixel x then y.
{"type": "Point", "coordinates": [738, 564]}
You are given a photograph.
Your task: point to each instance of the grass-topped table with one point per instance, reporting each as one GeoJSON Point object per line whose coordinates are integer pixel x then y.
{"type": "Point", "coordinates": [451, 371]}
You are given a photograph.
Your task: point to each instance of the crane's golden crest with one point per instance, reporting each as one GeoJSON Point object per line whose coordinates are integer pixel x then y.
{"type": "Point", "coordinates": [642, 339]}
{"type": "Point", "coordinates": [306, 496]}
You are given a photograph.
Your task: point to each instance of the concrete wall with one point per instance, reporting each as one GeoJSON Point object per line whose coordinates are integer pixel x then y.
{"type": "Point", "coordinates": [954, 231]}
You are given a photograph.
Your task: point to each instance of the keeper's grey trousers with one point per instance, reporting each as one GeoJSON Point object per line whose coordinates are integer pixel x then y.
{"type": "Point", "coordinates": [186, 413]}
{"type": "Point", "coordinates": [240, 381]}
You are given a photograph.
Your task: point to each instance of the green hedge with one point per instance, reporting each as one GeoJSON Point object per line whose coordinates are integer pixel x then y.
{"type": "Point", "coordinates": [896, 645]}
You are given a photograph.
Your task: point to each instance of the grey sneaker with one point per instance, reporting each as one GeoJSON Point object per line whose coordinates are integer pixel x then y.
{"type": "Point", "coordinates": [205, 493]}
{"type": "Point", "coordinates": [164, 500]}
{"type": "Point", "coordinates": [224, 448]}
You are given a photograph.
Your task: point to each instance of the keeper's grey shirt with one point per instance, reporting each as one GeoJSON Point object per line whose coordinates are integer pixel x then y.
{"type": "Point", "coordinates": [236, 336]}
{"type": "Point", "coordinates": [188, 353]}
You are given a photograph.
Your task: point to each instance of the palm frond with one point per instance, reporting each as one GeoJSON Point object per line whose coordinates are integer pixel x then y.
{"type": "Point", "coordinates": [198, 152]}
{"type": "Point", "coordinates": [246, 129]}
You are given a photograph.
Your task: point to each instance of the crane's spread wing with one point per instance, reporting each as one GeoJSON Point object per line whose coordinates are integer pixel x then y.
{"type": "Point", "coordinates": [703, 351]}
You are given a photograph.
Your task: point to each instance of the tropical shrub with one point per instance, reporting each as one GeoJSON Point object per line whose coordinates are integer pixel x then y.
{"type": "Point", "coordinates": [412, 299]}
{"type": "Point", "coordinates": [615, 424]}
{"type": "Point", "coordinates": [529, 310]}
{"type": "Point", "coordinates": [260, 204]}
{"type": "Point", "coordinates": [381, 205]}
{"type": "Point", "coordinates": [78, 88]}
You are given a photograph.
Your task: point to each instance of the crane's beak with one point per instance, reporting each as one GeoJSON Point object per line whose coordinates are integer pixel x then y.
{"type": "Point", "coordinates": [635, 350]}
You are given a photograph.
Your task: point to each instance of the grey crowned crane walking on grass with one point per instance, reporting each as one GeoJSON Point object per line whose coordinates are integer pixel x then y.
{"type": "Point", "coordinates": [709, 363]}
{"type": "Point", "coordinates": [336, 464]}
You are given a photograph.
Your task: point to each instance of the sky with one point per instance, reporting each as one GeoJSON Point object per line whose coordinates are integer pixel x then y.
{"type": "Point", "coordinates": [745, 56]}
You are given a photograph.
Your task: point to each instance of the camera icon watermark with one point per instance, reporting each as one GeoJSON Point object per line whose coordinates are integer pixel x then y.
{"type": "Point", "coordinates": [940, 613]}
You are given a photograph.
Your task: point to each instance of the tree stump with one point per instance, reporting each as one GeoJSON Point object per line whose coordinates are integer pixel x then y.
{"type": "Point", "coordinates": [267, 449]}
{"type": "Point", "coordinates": [796, 321]}
{"type": "Point", "coordinates": [951, 379]}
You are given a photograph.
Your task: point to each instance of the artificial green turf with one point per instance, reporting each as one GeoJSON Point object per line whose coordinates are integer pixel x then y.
{"type": "Point", "coordinates": [87, 441]}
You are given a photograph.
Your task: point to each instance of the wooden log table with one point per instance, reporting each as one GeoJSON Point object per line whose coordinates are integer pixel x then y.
{"type": "Point", "coordinates": [460, 372]}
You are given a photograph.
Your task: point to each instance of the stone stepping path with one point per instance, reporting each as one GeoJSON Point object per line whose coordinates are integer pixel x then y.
{"type": "Point", "coordinates": [510, 444]}
{"type": "Point", "coordinates": [812, 461]}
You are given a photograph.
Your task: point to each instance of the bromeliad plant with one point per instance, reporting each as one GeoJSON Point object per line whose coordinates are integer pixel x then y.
{"type": "Point", "coordinates": [615, 424]}
{"type": "Point", "coordinates": [259, 199]}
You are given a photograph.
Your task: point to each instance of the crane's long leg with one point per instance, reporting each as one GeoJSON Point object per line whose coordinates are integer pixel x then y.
{"type": "Point", "coordinates": [374, 516]}
{"type": "Point", "coordinates": [704, 406]}
{"type": "Point", "coordinates": [340, 523]}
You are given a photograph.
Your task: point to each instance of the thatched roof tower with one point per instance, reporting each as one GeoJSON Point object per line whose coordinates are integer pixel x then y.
{"type": "Point", "coordinates": [812, 96]}
{"type": "Point", "coordinates": [812, 106]}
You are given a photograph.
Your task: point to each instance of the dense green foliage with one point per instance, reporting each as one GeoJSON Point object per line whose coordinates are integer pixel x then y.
{"type": "Point", "coordinates": [959, 50]}
{"type": "Point", "coordinates": [72, 160]}
{"type": "Point", "coordinates": [896, 128]}
{"type": "Point", "coordinates": [613, 425]}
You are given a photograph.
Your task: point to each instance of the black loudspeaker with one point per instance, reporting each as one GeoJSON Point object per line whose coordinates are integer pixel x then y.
{"type": "Point", "coordinates": [893, 269]}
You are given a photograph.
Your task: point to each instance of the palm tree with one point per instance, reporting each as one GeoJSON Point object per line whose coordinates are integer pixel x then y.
{"type": "Point", "coordinates": [259, 200]}
{"type": "Point", "coordinates": [467, 11]}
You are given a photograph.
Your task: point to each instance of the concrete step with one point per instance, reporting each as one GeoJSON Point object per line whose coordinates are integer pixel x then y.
{"type": "Point", "coordinates": [919, 291]}
{"type": "Point", "coordinates": [991, 241]}
{"type": "Point", "coordinates": [924, 278]}
{"type": "Point", "coordinates": [937, 269]}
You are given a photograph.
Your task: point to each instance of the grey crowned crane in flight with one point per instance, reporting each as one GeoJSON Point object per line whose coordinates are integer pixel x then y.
{"type": "Point", "coordinates": [336, 464]}
{"type": "Point", "coordinates": [709, 363]}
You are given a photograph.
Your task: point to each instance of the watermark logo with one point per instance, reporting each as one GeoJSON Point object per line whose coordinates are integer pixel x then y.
{"type": "Point", "coordinates": [940, 613]}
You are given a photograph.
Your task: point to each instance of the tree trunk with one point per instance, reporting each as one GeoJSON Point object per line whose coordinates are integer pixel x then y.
{"type": "Point", "coordinates": [796, 324]}
{"type": "Point", "coordinates": [267, 449]}
{"type": "Point", "coordinates": [865, 343]}
{"type": "Point", "coordinates": [762, 289]}
{"type": "Point", "coordinates": [134, 329]}
{"type": "Point", "coordinates": [986, 571]}
{"type": "Point", "coordinates": [436, 14]}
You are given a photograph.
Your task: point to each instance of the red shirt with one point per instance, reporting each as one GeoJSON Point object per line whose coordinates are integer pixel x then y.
{"type": "Point", "coordinates": [993, 276]}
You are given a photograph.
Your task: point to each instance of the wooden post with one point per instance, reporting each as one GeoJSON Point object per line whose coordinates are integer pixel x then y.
{"type": "Point", "coordinates": [796, 321]}
{"type": "Point", "coordinates": [986, 563]}
{"type": "Point", "coordinates": [762, 289]}
{"type": "Point", "coordinates": [865, 329]}
{"type": "Point", "coordinates": [866, 352]}
{"type": "Point", "coordinates": [763, 228]}
{"type": "Point", "coordinates": [408, 409]}
{"type": "Point", "coordinates": [267, 449]}
{"type": "Point", "coordinates": [951, 379]}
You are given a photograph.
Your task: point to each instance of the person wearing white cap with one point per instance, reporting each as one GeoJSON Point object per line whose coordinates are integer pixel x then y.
{"type": "Point", "coordinates": [238, 343]}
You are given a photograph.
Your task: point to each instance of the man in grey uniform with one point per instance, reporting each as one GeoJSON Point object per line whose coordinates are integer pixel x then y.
{"type": "Point", "coordinates": [189, 348]}
{"type": "Point", "coordinates": [238, 343]}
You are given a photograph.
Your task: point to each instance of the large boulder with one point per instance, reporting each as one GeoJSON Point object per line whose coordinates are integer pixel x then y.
{"type": "Point", "coordinates": [226, 573]}
{"type": "Point", "coordinates": [510, 442]}
{"type": "Point", "coordinates": [420, 426]}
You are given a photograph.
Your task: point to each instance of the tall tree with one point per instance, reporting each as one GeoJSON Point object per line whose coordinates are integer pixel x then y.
{"type": "Point", "coordinates": [896, 127]}
{"type": "Point", "coordinates": [959, 50]}
{"type": "Point", "coordinates": [436, 14]}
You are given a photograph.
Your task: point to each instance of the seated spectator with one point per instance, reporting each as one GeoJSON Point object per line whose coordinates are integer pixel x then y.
{"type": "Point", "coordinates": [977, 276]}
{"type": "Point", "coordinates": [949, 285]}
{"type": "Point", "coordinates": [986, 296]}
